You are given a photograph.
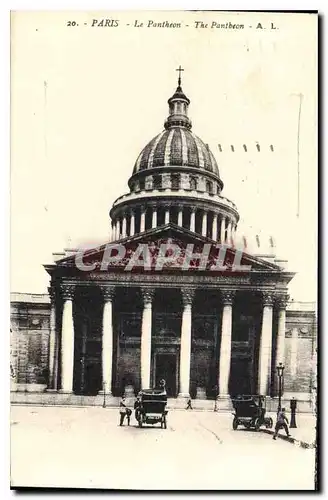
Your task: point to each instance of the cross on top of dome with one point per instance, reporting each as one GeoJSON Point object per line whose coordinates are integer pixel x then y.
{"type": "Point", "coordinates": [180, 70]}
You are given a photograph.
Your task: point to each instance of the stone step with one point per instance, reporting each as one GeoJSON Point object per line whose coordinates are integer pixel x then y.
{"type": "Point", "coordinates": [52, 398]}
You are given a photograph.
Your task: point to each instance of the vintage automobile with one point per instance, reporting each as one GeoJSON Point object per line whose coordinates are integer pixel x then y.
{"type": "Point", "coordinates": [152, 407]}
{"type": "Point", "coordinates": [250, 412]}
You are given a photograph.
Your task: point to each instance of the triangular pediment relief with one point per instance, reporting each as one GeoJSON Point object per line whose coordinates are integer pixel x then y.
{"type": "Point", "coordinates": [167, 248]}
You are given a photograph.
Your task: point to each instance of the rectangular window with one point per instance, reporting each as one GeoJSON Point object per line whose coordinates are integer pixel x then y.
{"type": "Point", "coordinates": [157, 180]}
{"type": "Point", "coordinates": [175, 181]}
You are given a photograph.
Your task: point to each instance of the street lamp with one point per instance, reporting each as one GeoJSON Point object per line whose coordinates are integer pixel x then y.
{"type": "Point", "coordinates": [280, 372]}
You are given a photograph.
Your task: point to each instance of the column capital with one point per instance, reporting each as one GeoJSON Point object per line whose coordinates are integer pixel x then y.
{"type": "Point", "coordinates": [281, 301]}
{"type": "Point", "coordinates": [267, 298]}
{"type": "Point", "coordinates": [147, 295]}
{"type": "Point", "coordinates": [187, 296]}
{"type": "Point", "coordinates": [67, 291]}
{"type": "Point", "coordinates": [108, 293]}
{"type": "Point", "coordinates": [227, 297]}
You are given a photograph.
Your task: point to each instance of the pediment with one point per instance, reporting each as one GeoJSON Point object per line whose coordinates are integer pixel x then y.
{"type": "Point", "coordinates": [167, 248]}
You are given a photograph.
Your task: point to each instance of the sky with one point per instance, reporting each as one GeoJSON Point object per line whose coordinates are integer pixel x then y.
{"type": "Point", "coordinates": [85, 100]}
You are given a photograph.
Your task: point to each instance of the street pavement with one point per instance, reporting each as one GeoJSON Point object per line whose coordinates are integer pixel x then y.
{"type": "Point", "coordinates": [85, 447]}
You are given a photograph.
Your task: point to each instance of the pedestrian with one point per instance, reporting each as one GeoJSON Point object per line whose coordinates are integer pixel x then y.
{"type": "Point", "coordinates": [189, 407]}
{"type": "Point", "coordinates": [124, 412]}
{"type": "Point", "coordinates": [128, 415]}
{"type": "Point", "coordinates": [137, 407]}
{"type": "Point", "coordinates": [281, 423]}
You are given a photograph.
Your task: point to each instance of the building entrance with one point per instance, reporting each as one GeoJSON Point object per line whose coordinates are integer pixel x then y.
{"type": "Point", "coordinates": [240, 381]}
{"type": "Point", "coordinates": [165, 367]}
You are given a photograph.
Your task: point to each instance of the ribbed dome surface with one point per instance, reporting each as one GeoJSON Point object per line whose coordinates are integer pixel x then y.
{"type": "Point", "coordinates": [176, 146]}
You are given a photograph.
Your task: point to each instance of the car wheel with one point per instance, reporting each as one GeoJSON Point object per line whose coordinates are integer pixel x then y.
{"type": "Point", "coordinates": [270, 423]}
{"type": "Point", "coordinates": [235, 424]}
{"type": "Point", "coordinates": [257, 424]}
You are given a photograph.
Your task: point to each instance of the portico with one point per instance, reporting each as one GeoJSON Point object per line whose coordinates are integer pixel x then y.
{"type": "Point", "coordinates": [196, 336]}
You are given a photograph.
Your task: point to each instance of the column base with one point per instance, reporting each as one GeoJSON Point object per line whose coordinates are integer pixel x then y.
{"type": "Point", "coordinates": [102, 392]}
{"type": "Point", "coordinates": [183, 395]}
{"type": "Point", "coordinates": [65, 391]}
{"type": "Point", "coordinates": [223, 402]}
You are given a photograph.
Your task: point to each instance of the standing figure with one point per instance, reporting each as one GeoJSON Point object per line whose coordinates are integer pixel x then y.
{"type": "Point", "coordinates": [124, 411]}
{"type": "Point", "coordinates": [293, 406]}
{"type": "Point", "coordinates": [137, 406]}
{"type": "Point", "coordinates": [282, 422]}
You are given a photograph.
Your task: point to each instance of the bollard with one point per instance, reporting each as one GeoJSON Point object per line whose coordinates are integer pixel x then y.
{"type": "Point", "coordinates": [104, 390]}
{"type": "Point", "coordinates": [293, 406]}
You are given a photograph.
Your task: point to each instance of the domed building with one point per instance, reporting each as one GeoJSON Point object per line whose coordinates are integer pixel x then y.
{"type": "Point", "coordinates": [176, 180]}
{"type": "Point", "coordinates": [171, 295]}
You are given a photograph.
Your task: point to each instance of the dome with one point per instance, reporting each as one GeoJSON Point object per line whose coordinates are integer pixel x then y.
{"type": "Point", "coordinates": [176, 146]}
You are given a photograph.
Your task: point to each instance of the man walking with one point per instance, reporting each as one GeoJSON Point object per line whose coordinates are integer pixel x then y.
{"type": "Point", "coordinates": [281, 423]}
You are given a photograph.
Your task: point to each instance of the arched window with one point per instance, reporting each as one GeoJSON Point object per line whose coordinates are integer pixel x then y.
{"type": "Point", "coordinates": [193, 183]}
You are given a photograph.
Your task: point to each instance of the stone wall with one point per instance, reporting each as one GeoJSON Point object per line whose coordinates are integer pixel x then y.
{"type": "Point", "coordinates": [29, 341]}
{"type": "Point", "coordinates": [300, 354]}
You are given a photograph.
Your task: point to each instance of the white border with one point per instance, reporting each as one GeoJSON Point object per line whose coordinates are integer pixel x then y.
{"type": "Point", "coordinates": [5, 8]}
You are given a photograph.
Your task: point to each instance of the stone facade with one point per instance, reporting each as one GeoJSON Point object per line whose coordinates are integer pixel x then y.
{"type": "Point", "coordinates": [30, 342]}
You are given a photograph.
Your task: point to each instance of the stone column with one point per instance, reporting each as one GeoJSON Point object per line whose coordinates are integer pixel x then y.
{"type": "Point", "coordinates": [193, 220]}
{"type": "Point", "coordinates": [146, 322]}
{"type": "Point", "coordinates": [53, 341]}
{"type": "Point", "coordinates": [142, 220]}
{"type": "Point", "coordinates": [124, 226]}
{"type": "Point", "coordinates": [280, 349]}
{"type": "Point", "coordinates": [117, 229]}
{"type": "Point", "coordinates": [229, 232]}
{"type": "Point", "coordinates": [167, 215]}
{"type": "Point", "coordinates": [132, 223]}
{"type": "Point", "coordinates": [215, 227]}
{"type": "Point", "coordinates": [222, 230]}
{"type": "Point", "coordinates": [107, 339]}
{"type": "Point", "coordinates": [225, 348]}
{"type": "Point", "coordinates": [154, 218]}
{"type": "Point", "coordinates": [264, 375]}
{"type": "Point", "coordinates": [185, 345]}
{"type": "Point", "coordinates": [180, 217]}
{"type": "Point", "coordinates": [67, 340]}
{"type": "Point", "coordinates": [204, 223]}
